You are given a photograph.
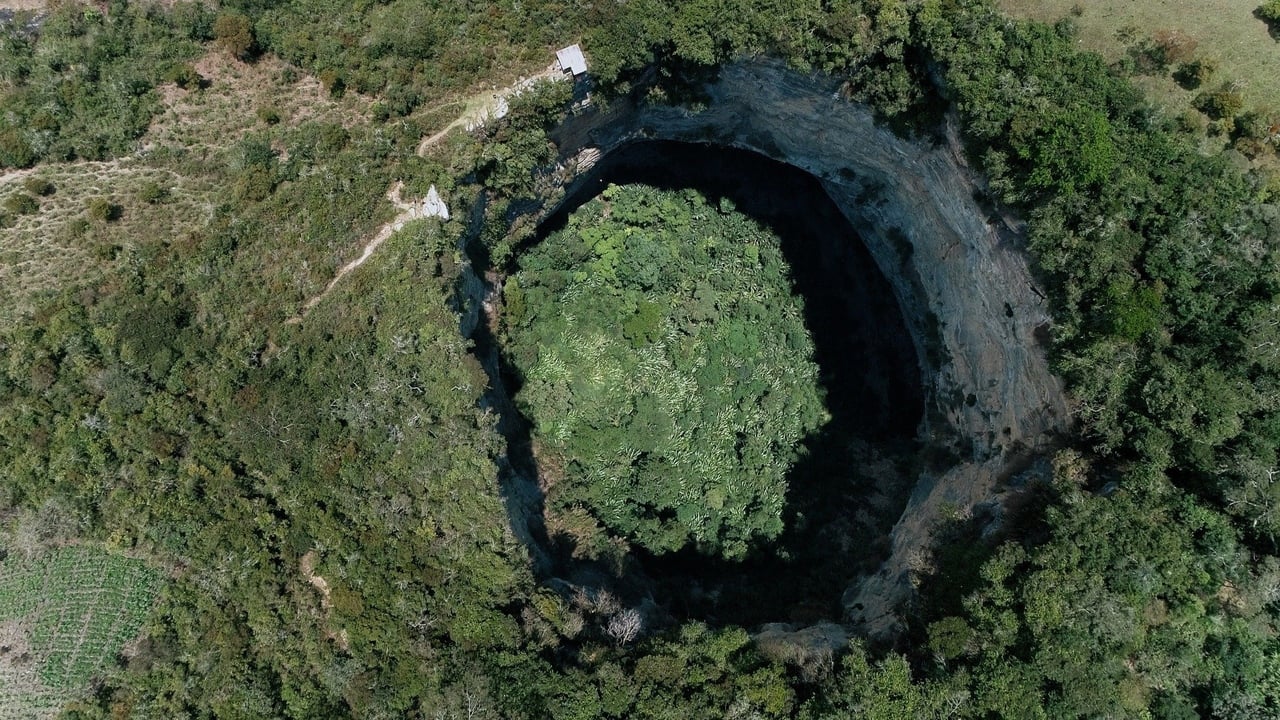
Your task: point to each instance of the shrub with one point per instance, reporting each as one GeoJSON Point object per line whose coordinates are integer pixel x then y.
{"type": "Point", "coordinates": [1192, 75]}
{"type": "Point", "coordinates": [103, 210]}
{"type": "Point", "coordinates": [1221, 104]}
{"type": "Point", "coordinates": [1174, 46]}
{"type": "Point", "coordinates": [184, 75]}
{"type": "Point", "coordinates": [254, 184]}
{"type": "Point", "coordinates": [77, 228]}
{"type": "Point", "coordinates": [104, 250]}
{"type": "Point", "coordinates": [234, 33]}
{"type": "Point", "coordinates": [269, 115]}
{"type": "Point", "coordinates": [15, 152]}
{"type": "Point", "coordinates": [1256, 124]}
{"type": "Point", "coordinates": [1270, 11]}
{"type": "Point", "coordinates": [1191, 121]}
{"type": "Point", "coordinates": [21, 204]}
{"type": "Point", "coordinates": [153, 193]}
{"type": "Point", "coordinates": [1164, 48]}
{"type": "Point", "coordinates": [38, 186]}
{"type": "Point", "coordinates": [333, 82]}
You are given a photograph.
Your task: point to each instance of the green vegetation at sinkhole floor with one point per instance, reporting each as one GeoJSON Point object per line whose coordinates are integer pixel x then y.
{"type": "Point", "coordinates": [667, 370]}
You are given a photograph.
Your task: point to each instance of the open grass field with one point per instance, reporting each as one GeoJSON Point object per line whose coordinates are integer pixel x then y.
{"type": "Point", "coordinates": [1225, 30]}
{"type": "Point", "coordinates": [235, 100]}
{"type": "Point", "coordinates": [55, 242]}
{"type": "Point", "coordinates": [64, 617]}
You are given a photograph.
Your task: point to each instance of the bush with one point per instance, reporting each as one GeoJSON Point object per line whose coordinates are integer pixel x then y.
{"type": "Point", "coordinates": [269, 115]}
{"type": "Point", "coordinates": [184, 75]}
{"type": "Point", "coordinates": [1270, 11]}
{"type": "Point", "coordinates": [1221, 104]}
{"type": "Point", "coordinates": [333, 82]}
{"type": "Point", "coordinates": [103, 210]}
{"type": "Point", "coordinates": [15, 152]}
{"type": "Point", "coordinates": [153, 193]}
{"type": "Point", "coordinates": [1193, 122]}
{"type": "Point", "coordinates": [38, 186]}
{"type": "Point", "coordinates": [1192, 75]}
{"type": "Point", "coordinates": [77, 228]}
{"type": "Point", "coordinates": [1162, 49]}
{"type": "Point", "coordinates": [1174, 46]}
{"type": "Point", "coordinates": [234, 33]}
{"type": "Point", "coordinates": [254, 184]}
{"type": "Point", "coordinates": [21, 204]}
{"type": "Point", "coordinates": [1256, 124]}
{"type": "Point", "coordinates": [105, 251]}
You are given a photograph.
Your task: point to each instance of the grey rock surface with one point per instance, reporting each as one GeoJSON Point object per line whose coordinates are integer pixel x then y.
{"type": "Point", "coordinates": [964, 284]}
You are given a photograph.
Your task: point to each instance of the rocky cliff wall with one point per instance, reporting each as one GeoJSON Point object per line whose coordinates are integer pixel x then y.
{"type": "Point", "coordinates": [963, 284]}
{"type": "Point", "coordinates": [967, 293]}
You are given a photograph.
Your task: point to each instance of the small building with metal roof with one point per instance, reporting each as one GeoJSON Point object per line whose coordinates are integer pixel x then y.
{"type": "Point", "coordinates": [571, 60]}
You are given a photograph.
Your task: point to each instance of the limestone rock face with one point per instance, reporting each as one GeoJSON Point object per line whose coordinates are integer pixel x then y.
{"type": "Point", "coordinates": [963, 283]}
{"type": "Point", "coordinates": [433, 206]}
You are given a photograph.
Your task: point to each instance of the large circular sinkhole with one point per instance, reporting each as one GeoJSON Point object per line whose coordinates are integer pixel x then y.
{"type": "Point", "coordinates": [851, 483]}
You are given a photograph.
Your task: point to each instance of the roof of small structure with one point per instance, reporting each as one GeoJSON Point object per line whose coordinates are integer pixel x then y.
{"type": "Point", "coordinates": [571, 59]}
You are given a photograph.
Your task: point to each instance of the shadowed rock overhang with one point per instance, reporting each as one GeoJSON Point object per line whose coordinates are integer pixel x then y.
{"type": "Point", "coordinates": [962, 280]}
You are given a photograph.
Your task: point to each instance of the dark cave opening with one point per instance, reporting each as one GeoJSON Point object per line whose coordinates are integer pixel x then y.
{"type": "Point", "coordinates": [850, 486]}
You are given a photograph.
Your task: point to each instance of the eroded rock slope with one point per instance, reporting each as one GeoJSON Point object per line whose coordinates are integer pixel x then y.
{"type": "Point", "coordinates": [963, 283]}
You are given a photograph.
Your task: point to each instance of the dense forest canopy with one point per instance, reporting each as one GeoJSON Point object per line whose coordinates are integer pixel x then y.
{"type": "Point", "coordinates": [666, 364]}
{"type": "Point", "coordinates": [319, 501]}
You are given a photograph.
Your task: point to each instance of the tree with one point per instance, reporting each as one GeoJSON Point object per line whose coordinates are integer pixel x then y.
{"type": "Point", "coordinates": [1270, 11]}
{"type": "Point", "coordinates": [1221, 104]}
{"type": "Point", "coordinates": [625, 625]}
{"type": "Point", "coordinates": [234, 32]}
{"type": "Point", "coordinates": [666, 369]}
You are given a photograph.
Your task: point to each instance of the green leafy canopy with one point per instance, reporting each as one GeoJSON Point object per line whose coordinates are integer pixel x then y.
{"type": "Point", "coordinates": [667, 363]}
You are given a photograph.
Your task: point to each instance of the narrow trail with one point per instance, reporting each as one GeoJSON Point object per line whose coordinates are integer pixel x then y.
{"type": "Point", "coordinates": [408, 211]}
{"type": "Point", "coordinates": [427, 142]}
{"type": "Point", "coordinates": [480, 111]}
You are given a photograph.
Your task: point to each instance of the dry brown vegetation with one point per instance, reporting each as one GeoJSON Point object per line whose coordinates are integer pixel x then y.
{"type": "Point", "coordinates": [59, 244]}
{"type": "Point", "coordinates": [1222, 29]}
{"type": "Point", "coordinates": [199, 121]}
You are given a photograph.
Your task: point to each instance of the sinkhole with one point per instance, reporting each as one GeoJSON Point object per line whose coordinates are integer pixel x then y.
{"type": "Point", "coordinates": [845, 493]}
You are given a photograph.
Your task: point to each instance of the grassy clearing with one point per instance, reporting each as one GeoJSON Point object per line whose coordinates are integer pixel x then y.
{"type": "Point", "coordinates": [1225, 30]}
{"type": "Point", "coordinates": [61, 244]}
{"type": "Point", "coordinates": [238, 97]}
{"type": "Point", "coordinates": [64, 617]}
{"type": "Point", "coordinates": [183, 153]}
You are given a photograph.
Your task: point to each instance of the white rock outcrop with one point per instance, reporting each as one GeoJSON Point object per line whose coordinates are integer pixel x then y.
{"type": "Point", "coordinates": [433, 206]}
